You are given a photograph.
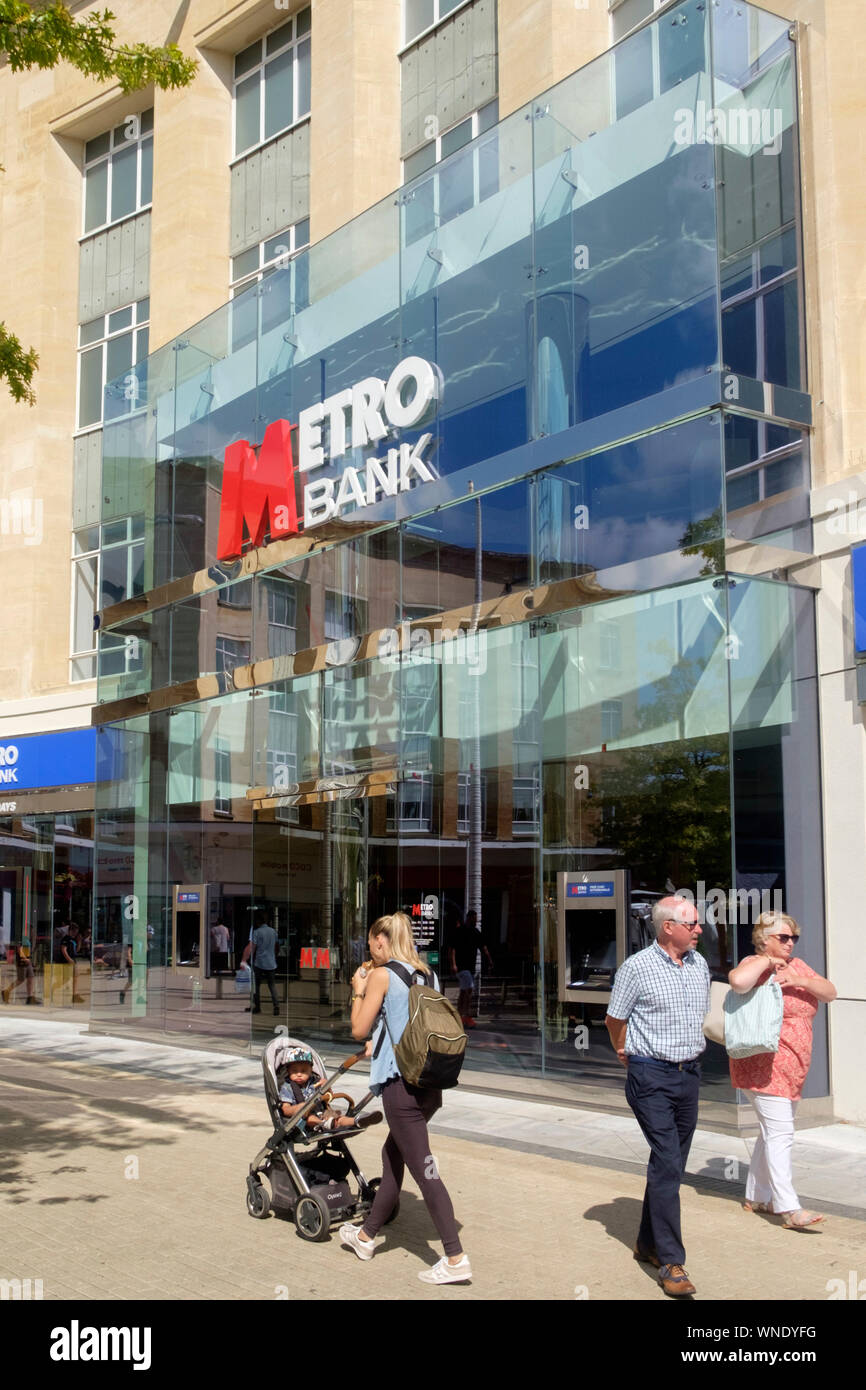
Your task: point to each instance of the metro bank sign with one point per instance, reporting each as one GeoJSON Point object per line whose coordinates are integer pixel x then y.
{"type": "Point", "coordinates": [259, 489]}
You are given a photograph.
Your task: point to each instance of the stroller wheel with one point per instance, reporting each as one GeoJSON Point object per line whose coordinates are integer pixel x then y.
{"type": "Point", "coordinates": [312, 1218]}
{"type": "Point", "coordinates": [258, 1199]}
{"type": "Point", "coordinates": [395, 1210]}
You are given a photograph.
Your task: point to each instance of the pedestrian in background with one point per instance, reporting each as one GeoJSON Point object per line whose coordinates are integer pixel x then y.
{"type": "Point", "coordinates": [774, 1080]}
{"type": "Point", "coordinates": [466, 942]}
{"type": "Point", "coordinates": [263, 957]}
{"type": "Point", "coordinates": [655, 1021]}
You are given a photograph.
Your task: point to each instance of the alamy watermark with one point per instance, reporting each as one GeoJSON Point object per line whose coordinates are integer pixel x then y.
{"type": "Point", "coordinates": [854, 1289]}
{"type": "Point", "coordinates": [746, 126]}
{"type": "Point", "coordinates": [20, 1290]}
{"type": "Point", "coordinates": [421, 646]}
{"type": "Point", "coordinates": [21, 516]}
{"type": "Point", "coordinates": [732, 907]}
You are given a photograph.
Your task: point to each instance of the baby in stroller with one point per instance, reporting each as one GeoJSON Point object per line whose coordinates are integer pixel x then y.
{"type": "Point", "coordinates": [299, 1083]}
{"type": "Point", "coordinates": [321, 1184]}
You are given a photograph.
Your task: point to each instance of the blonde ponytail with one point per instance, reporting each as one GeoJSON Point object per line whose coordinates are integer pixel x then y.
{"type": "Point", "coordinates": [398, 930]}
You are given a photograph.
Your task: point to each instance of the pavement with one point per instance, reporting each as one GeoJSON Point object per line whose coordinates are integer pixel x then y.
{"type": "Point", "coordinates": [122, 1173]}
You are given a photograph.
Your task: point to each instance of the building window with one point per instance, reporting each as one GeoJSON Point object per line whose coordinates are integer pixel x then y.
{"type": "Point", "coordinates": [761, 312]}
{"type": "Point", "coordinates": [222, 777]}
{"type": "Point", "coordinates": [283, 296]}
{"type": "Point", "coordinates": [416, 803]}
{"type": "Point", "coordinates": [274, 254]}
{"type": "Point", "coordinates": [282, 617]}
{"type": "Point", "coordinates": [464, 801]}
{"type": "Point", "coordinates": [609, 653]}
{"type": "Point", "coordinates": [238, 595]}
{"type": "Point", "coordinates": [272, 83]}
{"type": "Point", "coordinates": [626, 15]}
{"type": "Point", "coordinates": [281, 763]}
{"type": "Point", "coordinates": [345, 616]}
{"type": "Point", "coordinates": [656, 59]}
{"type": "Point", "coordinates": [118, 172]}
{"type": "Point", "coordinates": [112, 350]}
{"type": "Point", "coordinates": [231, 652]}
{"type": "Point", "coordinates": [762, 460]}
{"type": "Point", "coordinates": [421, 15]}
{"type": "Point", "coordinates": [107, 567]}
{"type": "Point", "coordinates": [611, 720]}
{"type": "Point", "coordinates": [466, 180]}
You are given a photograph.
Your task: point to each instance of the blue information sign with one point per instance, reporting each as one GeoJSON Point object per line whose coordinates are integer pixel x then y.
{"type": "Point", "coordinates": [189, 897]}
{"type": "Point", "coordinates": [48, 760]}
{"type": "Point", "coordinates": [858, 574]}
{"type": "Point", "coordinates": [591, 890]}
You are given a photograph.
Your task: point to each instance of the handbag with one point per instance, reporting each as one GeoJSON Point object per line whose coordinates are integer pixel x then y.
{"type": "Point", "coordinates": [753, 1021]}
{"type": "Point", "coordinates": [714, 1021]}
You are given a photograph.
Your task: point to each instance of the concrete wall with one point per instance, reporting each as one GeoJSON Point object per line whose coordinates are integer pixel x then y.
{"type": "Point", "coordinates": [448, 74]}
{"type": "Point", "coordinates": [355, 127]}
{"type": "Point", "coordinates": [270, 189]}
{"type": "Point", "coordinates": [542, 41]}
{"type": "Point", "coordinates": [114, 268]}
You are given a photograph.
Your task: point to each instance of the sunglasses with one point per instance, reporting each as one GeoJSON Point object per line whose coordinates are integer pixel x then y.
{"type": "Point", "coordinates": [784, 939]}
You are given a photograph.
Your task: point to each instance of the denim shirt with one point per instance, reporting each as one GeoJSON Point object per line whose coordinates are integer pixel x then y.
{"type": "Point", "coordinates": [395, 1007]}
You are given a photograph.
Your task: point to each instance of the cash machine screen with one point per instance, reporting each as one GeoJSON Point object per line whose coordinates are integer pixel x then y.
{"type": "Point", "coordinates": [590, 940]}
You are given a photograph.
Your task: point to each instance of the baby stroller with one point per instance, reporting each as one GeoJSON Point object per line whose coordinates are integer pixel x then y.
{"type": "Point", "coordinates": [312, 1186]}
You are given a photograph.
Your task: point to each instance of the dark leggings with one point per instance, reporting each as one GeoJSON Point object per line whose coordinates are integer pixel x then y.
{"type": "Point", "coordinates": [407, 1110]}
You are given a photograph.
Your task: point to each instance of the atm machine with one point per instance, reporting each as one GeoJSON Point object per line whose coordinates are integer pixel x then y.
{"type": "Point", "coordinates": [592, 932]}
{"type": "Point", "coordinates": [190, 939]}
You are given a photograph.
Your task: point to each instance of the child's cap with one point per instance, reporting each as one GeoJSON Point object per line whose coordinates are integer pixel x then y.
{"type": "Point", "coordinates": [298, 1054]}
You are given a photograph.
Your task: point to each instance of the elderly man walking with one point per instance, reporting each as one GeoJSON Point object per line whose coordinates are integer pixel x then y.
{"type": "Point", "coordinates": [655, 1021]}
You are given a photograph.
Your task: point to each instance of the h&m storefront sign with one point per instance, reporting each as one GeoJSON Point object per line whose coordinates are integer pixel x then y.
{"type": "Point", "coordinates": [259, 488]}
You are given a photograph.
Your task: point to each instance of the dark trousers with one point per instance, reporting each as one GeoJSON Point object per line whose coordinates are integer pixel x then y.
{"type": "Point", "coordinates": [407, 1110]}
{"type": "Point", "coordinates": [665, 1103]}
{"type": "Point", "coordinates": [260, 976]}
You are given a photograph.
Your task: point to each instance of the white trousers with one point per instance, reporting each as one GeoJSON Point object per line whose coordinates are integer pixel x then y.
{"type": "Point", "coordinates": [770, 1177]}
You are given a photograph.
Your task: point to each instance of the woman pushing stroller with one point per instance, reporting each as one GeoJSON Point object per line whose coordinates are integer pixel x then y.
{"type": "Point", "coordinates": [379, 993]}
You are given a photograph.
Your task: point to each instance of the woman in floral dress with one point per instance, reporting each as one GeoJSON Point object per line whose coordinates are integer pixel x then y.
{"type": "Point", "coordinates": [774, 1080]}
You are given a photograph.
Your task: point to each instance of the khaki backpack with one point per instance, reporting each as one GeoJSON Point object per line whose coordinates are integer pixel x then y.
{"type": "Point", "coordinates": [432, 1047]}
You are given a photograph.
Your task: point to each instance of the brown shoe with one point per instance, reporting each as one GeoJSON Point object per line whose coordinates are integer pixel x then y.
{"type": "Point", "coordinates": [675, 1281]}
{"type": "Point", "coordinates": [647, 1257]}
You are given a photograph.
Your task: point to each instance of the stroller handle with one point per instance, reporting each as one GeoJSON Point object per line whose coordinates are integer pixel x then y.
{"type": "Point", "coordinates": [350, 1062]}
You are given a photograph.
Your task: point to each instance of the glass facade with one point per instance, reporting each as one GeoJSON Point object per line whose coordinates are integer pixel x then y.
{"type": "Point", "coordinates": [548, 652]}
{"type": "Point", "coordinates": [46, 885]}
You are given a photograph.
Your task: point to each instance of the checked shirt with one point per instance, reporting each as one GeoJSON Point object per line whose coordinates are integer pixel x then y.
{"type": "Point", "coordinates": [664, 1003]}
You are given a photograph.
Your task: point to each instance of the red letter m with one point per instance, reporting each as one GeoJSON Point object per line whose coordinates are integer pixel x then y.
{"type": "Point", "coordinates": [259, 491]}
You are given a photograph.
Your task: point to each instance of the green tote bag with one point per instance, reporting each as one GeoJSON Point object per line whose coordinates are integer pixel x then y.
{"type": "Point", "coordinates": [753, 1021]}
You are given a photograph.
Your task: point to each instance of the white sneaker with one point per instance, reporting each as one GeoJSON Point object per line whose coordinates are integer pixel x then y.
{"type": "Point", "coordinates": [444, 1273]}
{"type": "Point", "coordinates": [351, 1235]}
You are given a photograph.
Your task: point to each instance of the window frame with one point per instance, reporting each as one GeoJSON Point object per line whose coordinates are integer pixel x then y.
{"type": "Point", "coordinates": [438, 19]}
{"type": "Point", "coordinates": [432, 175]}
{"type": "Point", "coordinates": [136, 328]}
{"type": "Point", "coordinates": [131, 542]}
{"type": "Point", "coordinates": [142, 138]}
{"type": "Point", "coordinates": [222, 805]}
{"type": "Point", "coordinates": [657, 7]}
{"type": "Point", "coordinates": [292, 45]}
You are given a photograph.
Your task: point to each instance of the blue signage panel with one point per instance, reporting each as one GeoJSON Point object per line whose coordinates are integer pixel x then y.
{"type": "Point", "coordinates": [48, 760]}
{"type": "Point", "coordinates": [591, 890]}
{"type": "Point", "coordinates": [189, 897]}
{"type": "Point", "coordinates": [858, 574]}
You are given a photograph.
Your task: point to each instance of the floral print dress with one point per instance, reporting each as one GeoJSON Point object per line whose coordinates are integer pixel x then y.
{"type": "Point", "coordinates": [782, 1073]}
